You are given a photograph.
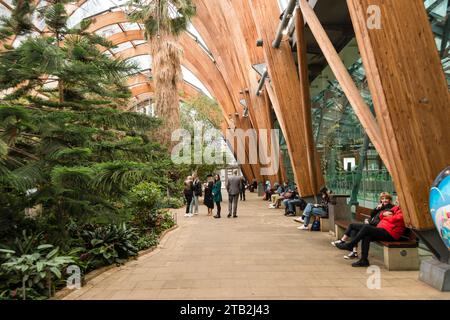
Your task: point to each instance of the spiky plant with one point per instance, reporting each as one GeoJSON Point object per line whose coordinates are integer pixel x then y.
{"type": "Point", "coordinates": [164, 20]}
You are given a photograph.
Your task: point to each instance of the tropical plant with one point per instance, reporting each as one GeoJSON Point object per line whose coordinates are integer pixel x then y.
{"type": "Point", "coordinates": [111, 243]}
{"type": "Point", "coordinates": [164, 20]}
{"type": "Point", "coordinates": [147, 241]}
{"type": "Point", "coordinates": [145, 199]}
{"type": "Point", "coordinates": [34, 270]}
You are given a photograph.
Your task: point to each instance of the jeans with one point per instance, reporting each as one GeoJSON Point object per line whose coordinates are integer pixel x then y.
{"type": "Point", "coordinates": [194, 205]}
{"type": "Point", "coordinates": [285, 203]}
{"type": "Point", "coordinates": [232, 203]}
{"type": "Point", "coordinates": [292, 203]}
{"type": "Point", "coordinates": [310, 209]}
{"type": "Point", "coordinates": [369, 233]}
{"type": "Point", "coordinates": [188, 203]}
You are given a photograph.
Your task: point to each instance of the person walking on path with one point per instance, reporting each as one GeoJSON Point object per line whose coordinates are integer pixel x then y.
{"type": "Point", "coordinates": [197, 187]}
{"type": "Point", "coordinates": [217, 194]}
{"type": "Point", "coordinates": [233, 188]}
{"type": "Point", "coordinates": [242, 189]}
{"type": "Point", "coordinates": [188, 194]}
{"type": "Point", "coordinates": [208, 199]}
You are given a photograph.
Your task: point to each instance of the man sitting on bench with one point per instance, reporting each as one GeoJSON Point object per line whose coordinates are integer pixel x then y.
{"type": "Point", "coordinates": [390, 228]}
{"type": "Point", "coordinates": [385, 203]}
{"type": "Point", "coordinates": [319, 209]}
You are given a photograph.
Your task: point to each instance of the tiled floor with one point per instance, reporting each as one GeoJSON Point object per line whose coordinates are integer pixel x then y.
{"type": "Point", "coordinates": [259, 255]}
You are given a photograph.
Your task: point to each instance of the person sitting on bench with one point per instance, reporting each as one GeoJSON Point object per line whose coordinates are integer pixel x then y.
{"type": "Point", "coordinates": [385, 203]}
{"type": "Point", "coordinates": [289, 196]}
{"type": "Point", "coordinates": [390, 228]}
{"type": "Point", "coordinates": [318, 209]}
{"type": "Point", "coordinates": [276, 196]}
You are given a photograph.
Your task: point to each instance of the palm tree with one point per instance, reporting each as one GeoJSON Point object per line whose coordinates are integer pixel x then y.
{"type": "Point", "coordinates": [164, 20]}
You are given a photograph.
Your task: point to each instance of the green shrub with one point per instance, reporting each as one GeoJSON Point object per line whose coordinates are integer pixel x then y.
{"type": "Point", "coordinates": [110, 244]}
{"type": "Point", "coordinates": [164, 220]}
{"type": "Point", "coordinates": [145, 199]}
{"type": "Point", "coordinates": [172, 202]}
{"type": "Point", "coordinates": [147, 241]}
{"type": "Point", "coordinates": [35, 270]}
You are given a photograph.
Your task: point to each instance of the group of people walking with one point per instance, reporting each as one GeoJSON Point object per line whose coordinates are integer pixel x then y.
{"type": "Point", "coordinates": [193, 189]}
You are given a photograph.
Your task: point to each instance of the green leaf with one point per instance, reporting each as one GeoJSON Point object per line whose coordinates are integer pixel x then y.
{"type": "Point", "coordinates": [44, 246]}
{"type": "Point", "coordinates": [40, 266]}
{"type": "Point", "coordinates": [52, 253]}
{"type": "Point", "coordinates": [56, 272]}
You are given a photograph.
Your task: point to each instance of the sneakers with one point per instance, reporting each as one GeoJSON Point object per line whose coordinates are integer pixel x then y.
{"type": "Point", "coordinates": [344, 246]}
{"type": "Point", "coordinates": [361, 263]}
{"type": "Point", "coordinates": [303, 227]}
{"type": "Point", "coordinates": [351, 255]}
{"type": "Point", "coordinates": [217, 217]}
{"type": "Point", "coordinates": [229, 215]}
{"type": "Point", "coordinates": [196, 213]}
{"type": "Point", "coordinates": [334, 243]}
{"type": "Point", "coordinates": [271, 206]}
{"type": "Point", "coordinates": [188, 215]}
{"type": "Point", "coordinates": [299, 219]}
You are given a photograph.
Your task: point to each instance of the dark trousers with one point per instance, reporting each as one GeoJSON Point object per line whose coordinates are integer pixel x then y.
{"type": "Point", "coordinates": [353, 229]}
{"type": "Point", "coordinates": [218, 208]}
{"type": "Point", "coordinates": [369, 233]}
{"type": "Point", "coordinates": [188, 201]}
{"type": "Point", "coordinates": [242, 194]}
{"type": "Point", "coordinates": [232, 203]}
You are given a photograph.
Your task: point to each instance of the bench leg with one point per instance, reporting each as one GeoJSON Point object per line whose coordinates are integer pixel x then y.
{"type": "Point", "coordinates": [324, 225]}
{"type": "Point", "coordinates": [338, 232]}
{"type": "Point", "coordinates": [396, 259]}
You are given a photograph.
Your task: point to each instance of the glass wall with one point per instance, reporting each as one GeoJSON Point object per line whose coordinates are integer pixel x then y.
{"type": "Point", "coordinates": [350, 163]}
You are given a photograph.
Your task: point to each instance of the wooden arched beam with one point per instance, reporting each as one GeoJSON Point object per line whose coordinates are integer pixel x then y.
{"type": "Point", "coordinates": [194, 58]}
{"type": "Point", "coordinates": [187, 90]}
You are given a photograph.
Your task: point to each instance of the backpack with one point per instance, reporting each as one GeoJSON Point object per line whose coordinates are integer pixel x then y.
{"type": "Point", "coordinates": [316, 225]}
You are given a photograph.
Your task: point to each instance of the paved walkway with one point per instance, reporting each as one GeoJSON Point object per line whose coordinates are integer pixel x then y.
{"type": "Point", "coordinates": [259, 255]}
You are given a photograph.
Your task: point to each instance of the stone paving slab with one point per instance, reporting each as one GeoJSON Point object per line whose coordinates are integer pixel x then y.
{"type": "Point", "coordinates": [259, 255]}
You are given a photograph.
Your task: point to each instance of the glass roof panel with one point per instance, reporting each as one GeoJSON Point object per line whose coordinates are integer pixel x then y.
{"type": "Point", "coordinates": [144, 62]}
{"type": "Point", "coordinates": [4, 12]}
{"type": "Point", "coordinates": [122, 46]}
{"type": "Point", "coordinates": [109, 30]}
{"type": "Point", "coordinates": [130, 26]}
{"type": "Point", "coordinates": [192, 79]}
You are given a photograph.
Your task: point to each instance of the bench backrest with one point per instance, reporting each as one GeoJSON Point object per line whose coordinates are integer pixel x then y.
{"type": "Point", "coordinates": [364, 213]}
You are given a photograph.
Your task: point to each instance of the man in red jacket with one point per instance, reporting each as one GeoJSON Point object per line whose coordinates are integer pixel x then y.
{"type": "Point", "coordinates": [390, 228]}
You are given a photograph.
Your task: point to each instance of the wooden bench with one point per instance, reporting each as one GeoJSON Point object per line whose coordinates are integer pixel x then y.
{"type": "Point", "coordinates": [398, 255]}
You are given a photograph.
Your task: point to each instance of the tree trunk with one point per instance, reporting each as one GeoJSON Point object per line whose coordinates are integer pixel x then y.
{"type": "Point", "coordinates": [166, 72]}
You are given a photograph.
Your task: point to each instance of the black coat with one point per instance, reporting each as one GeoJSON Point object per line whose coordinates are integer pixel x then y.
{"type": "Point", "coordinates": [208, 200]}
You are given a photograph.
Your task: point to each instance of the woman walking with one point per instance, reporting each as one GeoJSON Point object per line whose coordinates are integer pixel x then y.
{"type": "Point", "coordinates": [217, 194]}
{"type": "Point", "coordinates": [208, 199]}
{"type": "Point", "coordinates": [188, 194]}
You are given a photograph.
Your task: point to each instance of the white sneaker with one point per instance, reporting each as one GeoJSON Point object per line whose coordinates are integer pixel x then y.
{"type": "Point", "coordinates": [186, 214]}
{"type": "Point", "coordinates": [196, 213]}
{"type": "Point", "coordinates": [351, 255]}
{"type": "Point", "coordinates": [190, 215]}
{"type": "Point", "coordinates": [303, 227]}
{"type": "Point", "coordinates": [271, 206]}
{"type": "Point", "coordinates": [334, 243]}
{"type": "Point", "coordinates": [299, 219]}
